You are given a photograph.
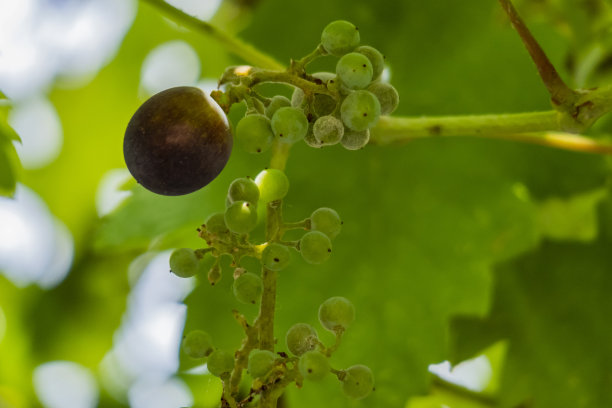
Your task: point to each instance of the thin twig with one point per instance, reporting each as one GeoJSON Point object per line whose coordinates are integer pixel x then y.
{"type": "Point", "coordinates": [245, 51]}
{"type": "Point", "coordinates": [560, 93]}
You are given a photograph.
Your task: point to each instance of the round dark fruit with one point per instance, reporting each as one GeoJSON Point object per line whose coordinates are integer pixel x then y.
{"type": "Point", "coordinates": [177, 142]}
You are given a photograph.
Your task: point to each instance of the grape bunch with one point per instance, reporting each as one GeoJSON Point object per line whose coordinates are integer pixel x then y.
{"type": "Point", "coordinates": [336, 314]}
{"type": "Point", "coordinates": [331, 108]}
{"type": "Point", "coordinates": [180, 139]}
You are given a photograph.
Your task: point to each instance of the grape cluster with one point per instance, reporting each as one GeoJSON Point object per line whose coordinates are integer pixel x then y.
{"type": "Point", "coordinates": [336, 314]}
{"type": "Point", "coordinates": [325, 109]}
{"type": "Point", "coordinates": [343, 109]}
{"type": "Point", "coordinates": [198, 344]}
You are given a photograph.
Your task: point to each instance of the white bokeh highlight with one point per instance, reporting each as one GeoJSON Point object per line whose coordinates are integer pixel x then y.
{"type": "Point", "coordinates": [174, 63]}
{"type": "Point", "coordinates": [160, 394]}
{"type": "Point", "coordinates": [35, 246]}
{"type": "Point", "coordinates": [146, 346]}
{"type": "Point", "coordinates": [45, 40]}
{"type": "Point", "coordinates": [109, 195]}
{"type": "Point", "coordinates": [202, 9]}
{"type": "Point", "coordinates": [474, 374]}
{"type": "Point", "coordinates": [36, 121]}
{"type": "Point", "coordinates": [64, 384]}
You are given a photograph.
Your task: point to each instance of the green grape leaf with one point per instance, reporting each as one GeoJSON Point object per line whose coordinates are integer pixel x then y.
{"type": "Point", "coordinates": [553, 307]}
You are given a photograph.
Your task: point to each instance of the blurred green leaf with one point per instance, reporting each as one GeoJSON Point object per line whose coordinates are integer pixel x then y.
{"type": "Point", "coordinates": [553, 306]}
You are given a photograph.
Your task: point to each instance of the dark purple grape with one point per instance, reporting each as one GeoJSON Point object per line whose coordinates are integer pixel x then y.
{"type": "Point", "coordinates": [177, 142]}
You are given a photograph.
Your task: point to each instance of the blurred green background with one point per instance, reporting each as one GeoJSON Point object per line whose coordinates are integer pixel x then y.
{"type": "Point", "coordinates": [451, 248]}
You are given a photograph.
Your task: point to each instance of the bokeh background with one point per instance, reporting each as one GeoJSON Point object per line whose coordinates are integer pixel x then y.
{"type": "Point", "coordinates": [492, 255]}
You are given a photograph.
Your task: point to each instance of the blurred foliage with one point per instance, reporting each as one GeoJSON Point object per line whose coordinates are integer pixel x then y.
{"type": "Point", "coordinates": [425, 224]}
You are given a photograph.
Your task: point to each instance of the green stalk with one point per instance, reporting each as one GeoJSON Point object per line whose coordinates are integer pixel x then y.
{"type": "Point", "coordinates": [243, 50]}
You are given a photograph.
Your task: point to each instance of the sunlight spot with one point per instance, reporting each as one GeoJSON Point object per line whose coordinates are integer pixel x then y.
{"type": "Point", "coordinates": [474, 374]}
{"type": "Point", "coordinates": [174, 63]}
{"type": "Point", "coordinates": [203, 10]}
{"type": "Point", "coordinates": [35, 247]}
{"type": "Point", "coordinates": [207, 85]}
{"type": "Point", "coordinates": [160, 394]}
{"type": "Point", "coordinates": [386, 74]}
{"type": "Point", "coordinates": [146, 346]}
{"type": "Point", "coordinates": [42, 40]}
{"type": "Point", "coordinates": [64, 384]}
{"type": "Point", "coordinates": [109, 195]}
{"type": "Point", "coordinates": [37, 123]}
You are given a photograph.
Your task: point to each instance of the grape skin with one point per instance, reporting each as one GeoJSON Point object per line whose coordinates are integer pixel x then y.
{"type": "Point", "coordinates": [376, 59]}
{"type": "Point", "coordinates": [328, 130]}
{"type": "Point", "coordinates": [327, 221]}
{"type": "Point", "coordinates": [276, 256]}
{"type": "Point", "coordinates": [273, 185]}
{"type": "Point", "coordinates": [241, 217]}
{"type": "Point", "coordinates": [289, 124]}
{"type": "Point", "coordinates": [315, 247]}
{"type": "Point", "coordinates": [220, 362]}
{"type": "Point", "coordinates": [177, 142]}
{"type": "Point", "coordinates": [277, 101]}
{"type": "Point", "coordinates": [260, 362]}
{"type": "Point", "coordinates": [247, 288]}
{"type": "Point", "coordinates": [358, 382]}
{"type": "Point", "coordinates": [243, 189]}
{"type": "Point", "coordinates": [216, 224]}
{"type": "Point", "coordinates": [183, 262]}
{"type": "Point", "coordinates": [353, 140]}
{"type": "Point", "coordinates": [360, 110]}
{"type": "Point", "coordinates": [354, 70]}
{"type": "Point", "coordinates": [340, 37]}
{"type": "Point", "coordinates": [197, 344]}
{"type": "Point", "coordinates": [300, 338]}
{"type": "Point", "coordinates": [387, 96]}
{"type": "Point", "coordinates": [254, 133]}
{"type": "Point", "coordinates": [313, 365]}
{"type": "Point", "coordinates": [336, 313]}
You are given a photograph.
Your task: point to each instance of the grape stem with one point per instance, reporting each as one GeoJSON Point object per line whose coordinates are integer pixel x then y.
{"type": "Point", "coordinates": [232, 44]}
{"type": "Point", "coordinates": [542, 128]}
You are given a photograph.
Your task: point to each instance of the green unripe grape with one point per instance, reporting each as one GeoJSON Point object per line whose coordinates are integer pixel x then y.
{"type": "Point", "coordinates": [260, 362]}
{"type": "Point", "coordinates": [214, 274]}
{"type": "Point", "coordinates": [278, 101]}
{"type": "Point", "coordinates": [254, 133]}
{"type": "Point", "coordinates": [328, 130]}
{"type": "Point", "coordinates": [197, 344]}
{"type": "Point", "coordinates": [243, 189]}
{"type": "Point", "coordinates": [273, 185]}
{"type": "Point", "coordinates": [354, 70]}
{"type": "Point", "coordinates": [276, 256]}
{"type": "Point", "coordinates": [313, 365]}
{"type": "Point", "coordinates": [336, 313]}
{"type": "Point", "coordinates": [220, 362]}
{"type": "Point", "coordinates": [216, 224]}
{"type": "Point", "coordinates": [358, 382]}
{"type": "Point", "coordinates": [248, 287]}
{"type": "Point", "coordinates": [301, 337]}
{"type": "Point", "coordinates": [183, 262]}
{"type": "Point", "coordinates": [322, 104]}
{"type": "Point", "coordinates": [327, 221]}
{"type": "Point", "coordinates": [376, 59]}
{"type": "Point", "coordinates": [289, 124]}
{"type": "Point", "coordinates": [353, 140]}
{"type": "Point", "coordinates": [360, 110]}
{"type": "Point", "coordinates": [387, 96]}
{"type": "Point", "coordinates": [241, 217]}
{"type": "Point", "coordinates": [312, 141]}
{"type": "Point", "coordinates": [315, 247]}
{"type": "Point", "coordinates": [340, 37]}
